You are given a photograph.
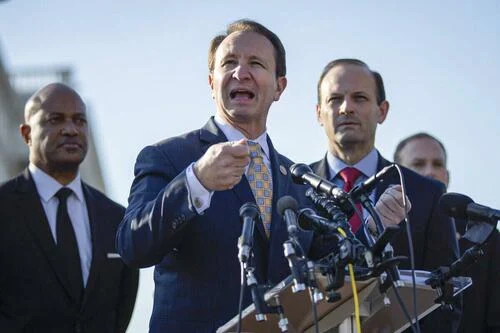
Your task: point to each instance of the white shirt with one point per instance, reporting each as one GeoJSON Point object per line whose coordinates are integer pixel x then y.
{"type": "Point", "coordinates": [201, 197]}
{"type": "Point", "coordinates": [47, 187]}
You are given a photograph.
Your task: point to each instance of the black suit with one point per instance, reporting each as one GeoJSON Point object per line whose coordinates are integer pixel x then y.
{"type": "Point", "coordinates": [482, 300]}
{"type": "Point", "coordinates": [433, 233]}
{"type": "Point", "coordinates": [34, 295]}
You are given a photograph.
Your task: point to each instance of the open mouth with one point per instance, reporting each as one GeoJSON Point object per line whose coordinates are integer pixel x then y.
{"type": "Point", "coordinates": [241, 93]}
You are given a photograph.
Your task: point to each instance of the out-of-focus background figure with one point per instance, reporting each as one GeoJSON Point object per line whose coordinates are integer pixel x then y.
{"type": "Point", "coordinates": [427, 155]}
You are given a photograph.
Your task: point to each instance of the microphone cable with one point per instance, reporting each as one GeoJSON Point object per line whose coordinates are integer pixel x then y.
{"type": "Point", "coordinates": [240, 302]}
{"type": "Point", "coordinates": [354, 290]}
{"type": "Point", "coordinates": [314, 310]}
{"type": "Point", "coordinates": [403, 307]}
{"type": "Point", "coordinates": [410, 249]}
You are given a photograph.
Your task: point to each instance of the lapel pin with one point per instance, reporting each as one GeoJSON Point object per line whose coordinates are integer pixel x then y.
{"type": "Point", "coordinates": [283, 170]}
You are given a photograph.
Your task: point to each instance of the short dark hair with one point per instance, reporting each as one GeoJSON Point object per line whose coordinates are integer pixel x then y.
{"type": "Point", "coordinates": [250, 26]}
{"type": "Point", "coordinates": [379, 82]}
{"type": "Point", "coordinates": [420, 135]}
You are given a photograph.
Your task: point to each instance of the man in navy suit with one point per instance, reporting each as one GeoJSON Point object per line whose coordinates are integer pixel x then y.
{"type": "Point", "coordinates": [351, 104]}
{"type": "Point", "coordinates": [183, 213]}
{"type": "Point", "coordinates": [60, 270]}
{"type": "Point", "coordinates": [425, 154]}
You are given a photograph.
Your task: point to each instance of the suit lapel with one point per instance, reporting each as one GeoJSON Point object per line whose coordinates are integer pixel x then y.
{"type": "Point", "coordinates": [280, 188]}
{"type": "Point", "coordinates": [210, 134]}
{"type": "Point", "coordinates": [99, 235]}
{"type": "Point", "coordinates": [382, 186]}
{"type": "Point", "coordinates": [321, 169]}
{"type": "Point", "coordinates": [34, 216]}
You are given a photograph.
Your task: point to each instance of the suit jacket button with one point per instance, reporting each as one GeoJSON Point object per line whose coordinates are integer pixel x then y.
{"type": "Point", "coordinates": [198, 203]}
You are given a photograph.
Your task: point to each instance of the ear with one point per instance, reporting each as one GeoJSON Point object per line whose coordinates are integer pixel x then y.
{"type": "Point", "coordinates": [383, 110]}
{"type": "Point", "coordinates": [25, 131]}
{"type": "Point", "coordinates": [280, 87]}
{"type": "Point", "coordinates": [447, 178]}
{"type": "Point", "coordinates": [318, 115]}
{"type": "Point", "coordinates": [211, 84]}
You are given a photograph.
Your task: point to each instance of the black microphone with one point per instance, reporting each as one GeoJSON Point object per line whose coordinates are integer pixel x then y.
{"type": "Point", "coordinates": [249, 212]}
{"type": "Point", "coordinates": [461, 206]}
{"type": "Point", "coordinates": [287, 208]}
{"type": "Point", "coordinates": [309, 220]}
{"type": "Point", "coordinates": [368, 185]}
{"type": "Point", "coordinates": [303, 174]}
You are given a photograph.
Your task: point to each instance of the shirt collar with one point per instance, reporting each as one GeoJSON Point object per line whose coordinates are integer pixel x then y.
{"type": "Point", "coordinates": [47, 186]}
{"type": "Point", "coordinates": [367, 165]}
{"type": "Point", "coordinates": [233, 134]}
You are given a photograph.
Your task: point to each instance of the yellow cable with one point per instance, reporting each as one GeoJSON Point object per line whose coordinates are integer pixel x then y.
{"type": "Point", "coordinates": [354, 291]}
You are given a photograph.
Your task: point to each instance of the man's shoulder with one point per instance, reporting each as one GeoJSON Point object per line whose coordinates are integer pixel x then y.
{"type": "Point", "coordinates": [180, 145]}
{"type": "Point", "coordinates": [315, 165]}
{"type": "Point", "coordinates": [415, 179]}
{"type": "Point", "coordinates": [102, 199]}
{"type": "Point", "coordinates": [10, 185]}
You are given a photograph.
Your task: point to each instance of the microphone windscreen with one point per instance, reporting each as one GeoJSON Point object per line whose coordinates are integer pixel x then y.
{"type": "Point", "coordinates": [249, 209]}
{"type": "Point", "coordinates": [298, 170]}
{"type": "Point", "coordinates": [455, 204]}
{"type": "Point", "coordinates": [287, 202]}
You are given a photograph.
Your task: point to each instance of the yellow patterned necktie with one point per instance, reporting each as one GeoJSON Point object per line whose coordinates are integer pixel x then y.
{"type": "Point", "coordinates": [259, 178]}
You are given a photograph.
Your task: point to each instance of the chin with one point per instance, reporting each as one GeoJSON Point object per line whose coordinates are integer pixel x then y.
{"type": "Point", "coordinates": [348, 138]}
{"type": "Point", "coordinates": [70, 162]}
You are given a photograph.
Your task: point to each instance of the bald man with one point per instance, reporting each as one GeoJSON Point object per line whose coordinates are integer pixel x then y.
{"type": "Point", "coordinates": [60, 270]}
{"type": "Point", "coordinates": [424, 154]}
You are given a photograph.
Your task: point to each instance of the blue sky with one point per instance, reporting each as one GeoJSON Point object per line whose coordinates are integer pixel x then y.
{"type": "Point", "coordinates": [142, 68]}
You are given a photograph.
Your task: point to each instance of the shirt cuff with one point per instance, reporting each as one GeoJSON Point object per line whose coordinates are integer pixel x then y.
{"type": "Point", "coordinates": [199, 196]}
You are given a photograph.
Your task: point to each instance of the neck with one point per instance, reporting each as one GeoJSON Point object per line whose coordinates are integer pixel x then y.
{"type": "Point", "coordinates": [64, 176]}
{"type": "Point", "coordinates": [349, 154]}
{"type": "Point", "coordinates": [250, 128]}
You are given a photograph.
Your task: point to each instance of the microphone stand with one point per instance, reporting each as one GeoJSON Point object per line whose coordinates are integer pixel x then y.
{"type": "Point", "coordinates": [261, 306]}
{"type": "Point", "coordinates": [302, 271]}
{"type": "Point", "coordinates": [440, 278]}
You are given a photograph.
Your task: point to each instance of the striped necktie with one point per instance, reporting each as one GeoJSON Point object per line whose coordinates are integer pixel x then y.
{"type": "Point", "coordinates": [259, 179]}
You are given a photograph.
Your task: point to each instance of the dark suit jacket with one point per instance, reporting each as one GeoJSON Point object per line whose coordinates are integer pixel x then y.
{"type": "Point", "coordinates": [433, 233]}
{"type": "Point", "coordinates": [481, 308]}
{"type": "Point", "coordinates": [34, 295]}
{"type": "Point", "coordinates": [197, 274]}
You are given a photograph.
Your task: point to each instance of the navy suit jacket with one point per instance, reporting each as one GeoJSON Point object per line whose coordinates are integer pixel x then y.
{"type": "Point", "coordinates": [433, 233]}
{"type": "Point", "coordinates": [197, 273]}
{"type": "Point", "coordinates": [34, 292]}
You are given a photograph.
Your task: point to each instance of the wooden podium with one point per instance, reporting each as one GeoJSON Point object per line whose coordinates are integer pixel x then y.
{"type": "Point", "coordinates": [379, 312]}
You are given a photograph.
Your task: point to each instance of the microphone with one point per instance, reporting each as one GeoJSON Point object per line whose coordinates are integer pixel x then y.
{"type": "Point", "coordinates": [287, 208]}
{"type": "Point", "coordinates": [309, 220]}
{"type": "Point", "coordinates": [303, 174]}
{"type": "Point", "coordinates": [368, 185]}
{"type": "Point", "coordinates": [461, 206]}
{"type": "Point", "coordinates": [249, 212]}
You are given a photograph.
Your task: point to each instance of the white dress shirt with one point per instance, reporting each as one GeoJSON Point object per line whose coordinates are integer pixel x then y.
{"type": "Point", "coordinates": [201, 197]}
{"type": "Point", "coordinates": [47, 187]}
